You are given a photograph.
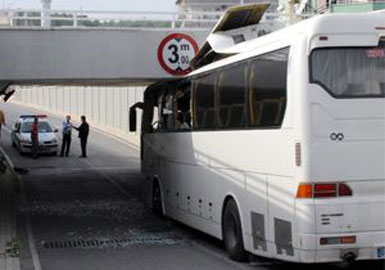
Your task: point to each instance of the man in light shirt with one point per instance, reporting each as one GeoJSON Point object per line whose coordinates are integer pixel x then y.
{"type": "Point", "coordinates": [67, 133]}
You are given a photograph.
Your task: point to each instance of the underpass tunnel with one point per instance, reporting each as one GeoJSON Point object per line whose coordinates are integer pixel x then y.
{"type": "Point", "coordinates": [106, 107]}
{"type": "Point", "coordinates": [72, 202]}
{"type": "Point", "coordinates": [85, 205]}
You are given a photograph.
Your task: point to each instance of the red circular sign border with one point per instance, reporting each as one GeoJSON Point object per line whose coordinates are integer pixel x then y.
{"type": "Point", "coordinates": [163, 44]}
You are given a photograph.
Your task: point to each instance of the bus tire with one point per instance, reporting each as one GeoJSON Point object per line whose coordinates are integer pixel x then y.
{"type": "Point", "coordinates": [232, 232]}
{"type": "Point", "coordinates": [157, 202]}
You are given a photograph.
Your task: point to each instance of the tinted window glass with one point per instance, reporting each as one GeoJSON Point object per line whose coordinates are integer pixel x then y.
{"type": "Point", "coordinates": [232, 96]}
{"type": "Point", "coordinates": [204, 102]}
{"type": "Point", "coordinates": [166, 112]}
{"type": "Point", "coordinates": [183, 107]}
{"type": "Point", "coordinates": [350, 72]}
{"type": "Point", "coordinates": [267, 89]}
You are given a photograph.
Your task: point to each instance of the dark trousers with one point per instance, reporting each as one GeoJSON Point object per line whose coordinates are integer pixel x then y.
{"type": "Point", "coordinates": [83, 144]}
{"type": "Point", "coordinates": [35, 147]}
{"type": "Point", "coordinates": [66, 144]}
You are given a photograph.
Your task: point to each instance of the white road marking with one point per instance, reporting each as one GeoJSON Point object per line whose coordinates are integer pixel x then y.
{"type": "Point", "coordinates": [31, 243]}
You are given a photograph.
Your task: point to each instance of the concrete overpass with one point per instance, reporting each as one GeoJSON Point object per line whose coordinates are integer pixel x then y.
{"type": "Point", "coordinates": [94, 63]}
{"type": "Point", "coordinates": [80, 55]}
{"type": "Point", "coordinates": [88, 47]}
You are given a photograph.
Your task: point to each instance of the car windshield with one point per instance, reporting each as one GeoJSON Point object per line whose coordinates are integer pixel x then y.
{"type": "Point", "coordinates": [350, 72]}
{"type": "Point", "coordinates": [43, 127]}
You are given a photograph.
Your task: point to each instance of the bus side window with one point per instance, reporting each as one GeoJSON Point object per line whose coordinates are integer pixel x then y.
{"type": "Point", "coordinates": [166, 113]}
{"type": "Point", "coordinates": [204, 105]}
{"type": "Point", "coordinates": [268, 90]}
{"type": "Point", "coordinates": [183, 108]}
{"type": "Point", "coordinates": [232, 85]}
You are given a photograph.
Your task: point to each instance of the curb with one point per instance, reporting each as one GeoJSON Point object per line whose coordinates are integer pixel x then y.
{"type": "Point", "coordinates": [8, 234]}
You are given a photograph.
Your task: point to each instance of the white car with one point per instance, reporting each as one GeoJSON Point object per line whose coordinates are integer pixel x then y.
{"type": "Point", "coordinates": [21, 135]}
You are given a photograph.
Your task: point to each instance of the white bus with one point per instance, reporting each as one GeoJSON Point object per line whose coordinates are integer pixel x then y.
{"type": "Point", "coordinates": [277, 147]}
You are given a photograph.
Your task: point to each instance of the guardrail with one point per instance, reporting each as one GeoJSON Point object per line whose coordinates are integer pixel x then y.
{"type": "Point", "coordinates": [121, 19]}
{"type": "Point", "coordinates": [331, 5]}
{"type": "Point", "coordinates": [355, 2]}
{"type": "Point", "coordinates": [108, 19]}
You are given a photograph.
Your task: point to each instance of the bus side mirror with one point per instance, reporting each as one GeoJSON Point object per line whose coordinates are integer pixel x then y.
{"type": "Point", "coordinates": [138, 105]}
{"type": "Point", "coordinates": [133, 119]}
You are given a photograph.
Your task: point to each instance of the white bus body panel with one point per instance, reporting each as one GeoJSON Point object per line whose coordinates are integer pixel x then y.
{"type": "Point", "coordinates": [198, 170]}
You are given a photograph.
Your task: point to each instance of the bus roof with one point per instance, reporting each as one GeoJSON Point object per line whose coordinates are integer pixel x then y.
{"type": "Point", "coordinates": [368, 23]}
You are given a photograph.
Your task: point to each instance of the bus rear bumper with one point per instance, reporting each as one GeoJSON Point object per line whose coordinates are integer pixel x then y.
{"type": "Point", "coordinates": [368, 246]}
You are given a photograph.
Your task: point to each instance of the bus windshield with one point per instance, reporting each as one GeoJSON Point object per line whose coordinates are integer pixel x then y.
{"type": "Point", "coordinates": [350, 72]}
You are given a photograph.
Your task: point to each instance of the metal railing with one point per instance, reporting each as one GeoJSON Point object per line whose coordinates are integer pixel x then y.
{"type": "Point", "coordinates": [328, 5]}
{"type": "Point", "coordinates": [118, 19]}
{"type": "Point", "coordinates": [355, 2]}
{"type": "Point", "coordinates": [108, 19]}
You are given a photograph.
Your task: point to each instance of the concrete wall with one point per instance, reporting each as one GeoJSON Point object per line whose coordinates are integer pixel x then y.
{"type": "Point", "coordinates": [105, 107]}
{"type": "Point", "coordinates": [56, 55]}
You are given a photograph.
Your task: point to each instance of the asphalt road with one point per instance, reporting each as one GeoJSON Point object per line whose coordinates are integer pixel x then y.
{"type": "Point", "coordinates": [89, 214]}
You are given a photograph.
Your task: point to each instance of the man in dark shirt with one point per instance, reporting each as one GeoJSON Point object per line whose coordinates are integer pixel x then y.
{"type": "Point", "coordinates": [84, 130]}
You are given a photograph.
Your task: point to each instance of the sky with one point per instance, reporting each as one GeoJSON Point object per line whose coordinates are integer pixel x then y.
{"type": "Point", "coordinates": [108, 5]}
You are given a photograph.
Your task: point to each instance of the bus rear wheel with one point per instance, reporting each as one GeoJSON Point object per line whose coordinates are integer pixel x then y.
{"type": "Point", "coordinates": [232, 233]}
{"type": "Point", "coordinates": [157, 205]}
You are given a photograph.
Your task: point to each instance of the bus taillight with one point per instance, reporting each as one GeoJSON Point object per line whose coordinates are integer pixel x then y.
{"type": "Point", "coordinates": [327, 190]}
{"type": "Point", "coordinates": [344, 190]}
{"type": "Point", "coordinates": [305, 191]}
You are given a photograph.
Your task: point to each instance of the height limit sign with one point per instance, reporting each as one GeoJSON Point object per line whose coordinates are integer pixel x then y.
{"type": "Point", "coordinates": [175, 53]}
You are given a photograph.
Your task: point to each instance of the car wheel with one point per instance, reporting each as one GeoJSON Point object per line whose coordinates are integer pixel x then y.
{"type": "Point", "coordinates": [157, 205]}
{"type": "Point", "coordinates": [13, 144]}
{"type": "Point", "coordinates": [232, 232]}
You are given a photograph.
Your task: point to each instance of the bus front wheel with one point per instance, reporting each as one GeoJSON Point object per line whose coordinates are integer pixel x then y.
{"type": "Point", "coordinates": [232, 232]}
{"type": "Point", "coordinates": [157, 205]}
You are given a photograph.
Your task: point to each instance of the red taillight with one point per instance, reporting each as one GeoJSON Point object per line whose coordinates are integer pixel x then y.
{"type": "Point", "coordinates": [329, 190]}
{"type": "Point", "coordinates": [325, 190]}
{"type": "Point", "coordinates": [344, 190]}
